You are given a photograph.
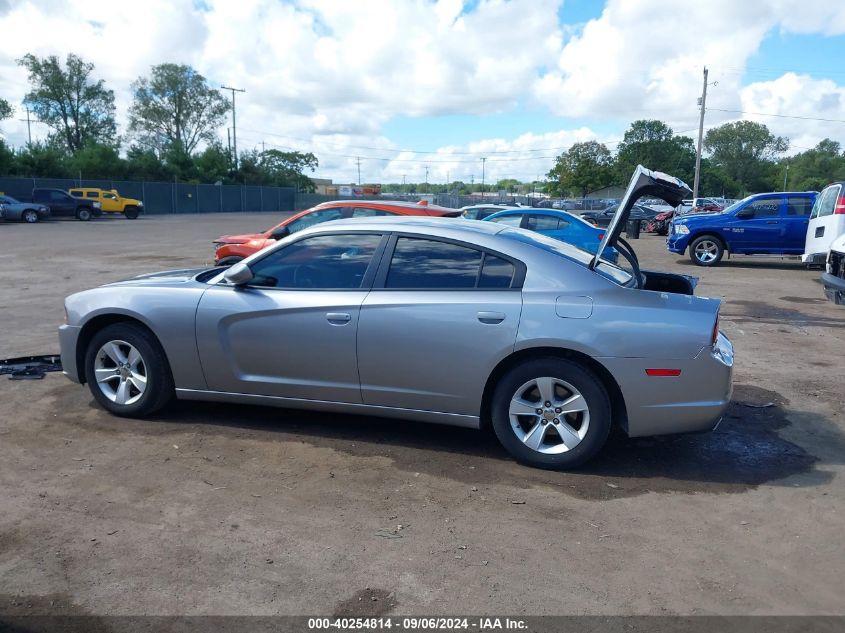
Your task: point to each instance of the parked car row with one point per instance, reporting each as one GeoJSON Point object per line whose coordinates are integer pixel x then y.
{"type": "Point", "coordinates": [81, 203]}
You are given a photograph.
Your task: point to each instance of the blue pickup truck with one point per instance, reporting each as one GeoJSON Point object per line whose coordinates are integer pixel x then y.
{"type": "Point", "coordinates": [762, 224]}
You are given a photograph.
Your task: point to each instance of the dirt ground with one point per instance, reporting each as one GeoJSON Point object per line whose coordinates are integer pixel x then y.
{"type": "Point", "coordinates": [212, 509]}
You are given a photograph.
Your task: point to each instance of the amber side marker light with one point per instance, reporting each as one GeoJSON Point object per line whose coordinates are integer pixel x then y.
{"type": "Point", "coordinates": [663, 372]}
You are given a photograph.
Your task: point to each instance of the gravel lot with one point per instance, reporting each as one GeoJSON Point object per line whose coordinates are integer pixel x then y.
{"type": "Point", "coordinates": [212, 509]}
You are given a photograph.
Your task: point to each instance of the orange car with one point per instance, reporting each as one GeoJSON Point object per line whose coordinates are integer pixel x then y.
{"type": "Point", "coordinates": [233, 248]}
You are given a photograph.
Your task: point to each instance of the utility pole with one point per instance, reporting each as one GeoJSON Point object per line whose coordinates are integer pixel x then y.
{"type": "Point", "coordinates": [426, 175]}
{"type": "Point", "coordinates": [229, 142]}
{"type": "Point", "coordinates": [28, 126]}
{"type": "Point", "coordinates": [234, 124]}
{"type": "Point", "coordinates": [404, 190]}
{"type": "Point", "coordinates": [702, 102]}
{"type": "Point", "coordinates": [483, 161]}
{"type": "Point", "coordinates": [785, 176]}
{"type": "Point", "coordinates": [262, 147]}
{"type": "Point", "coordinates": [358, 160]}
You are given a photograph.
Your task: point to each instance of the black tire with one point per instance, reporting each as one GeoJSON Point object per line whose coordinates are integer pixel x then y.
{"type": "Point", "coordinates": [159, 381]}
{"type": "Point", "coordinates": [30, 216]}
{"type": "Point", "coordinates": [578, 377]}
{"type": "Point", "coordinates": [229, 261]}
{"type": "Point", "coordinates": [131, 213]}
{"type": "Point", "coordinates": [83, 214]}
{"type": "Point", "coordinates": [706, 250]}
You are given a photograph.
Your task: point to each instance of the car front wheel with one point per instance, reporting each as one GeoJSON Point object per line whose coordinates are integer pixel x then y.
{"type": "Point", "coordinates": [706, 251]}
{"type": "Point", "coordinates": [127, 371]}
{"type": "Point", "coordinates": [551, 413]}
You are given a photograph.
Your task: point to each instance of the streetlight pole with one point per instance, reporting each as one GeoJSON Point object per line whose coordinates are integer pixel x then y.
{"type": "Point", "coordinates": [234, 125]}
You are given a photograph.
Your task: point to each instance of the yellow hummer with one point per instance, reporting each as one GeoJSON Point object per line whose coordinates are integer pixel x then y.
{"type": "Point", "coordinates": [110, 201]}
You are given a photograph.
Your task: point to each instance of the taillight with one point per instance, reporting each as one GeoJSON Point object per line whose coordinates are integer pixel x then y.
{"type": "Point", "coordinates": [840, 206]}
{"type": "Point", "coordinates": [715, 331]}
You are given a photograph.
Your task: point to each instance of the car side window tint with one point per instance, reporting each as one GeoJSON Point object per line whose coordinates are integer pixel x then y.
{"type": "Point", "coordinates": [58, 196]}
{"type": "Point", "coordinates": [542, 223]}
{"type": "Point", "coordinates": [796, 206]}
{"type": "Point", "coordinates": [322, 262]}
{"type": "Point", "coordinates": [93, 194]}
{"type": "Point", "coordinates": [508, 220]}
{"type": "Point", "coordinates": [496, 273]}
{"type": "Point", "coordinates": [826, 202]}
{"type": "Point", "coordinates": [369, 213]}
{"type": "Point", "coordinates": [421, 263]}
{"type": "Point", "coordinates": [316, 217]}
{"type": "Point", "coordinates": [765, 208]}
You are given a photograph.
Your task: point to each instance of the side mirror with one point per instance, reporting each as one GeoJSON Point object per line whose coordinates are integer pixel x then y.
{"type": "Point", "coordinates": [238, 274]}
{"type": "Point", "coordinates": [280, 232]}
{"type": "Point", "coordinates": [745, 213]}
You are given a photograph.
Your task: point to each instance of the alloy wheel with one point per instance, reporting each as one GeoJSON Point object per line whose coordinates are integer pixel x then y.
{"type": "Point", "coordinates": [549, 415]}
{"type": "Point", "coordinates": [706, 251]}
{"type": "Point", "coordinates": [121, 372]}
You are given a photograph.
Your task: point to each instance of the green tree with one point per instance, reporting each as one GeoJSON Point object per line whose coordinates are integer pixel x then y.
{"type": "Point", "coordinates": [213, 163]}
{"type": "Point", "coordinates": [78, 108]}
{"type": "Point", "coordinates": [6, 109]}
{"type": "Point", "coordinates": [143, 164]}
{"type": "Point", "coordinates": [583, 168]}
{"type": "Point", "coordinates": [7, 159]}
{"type": "Point", "coordinates": [42, 160]}
{"type": "Point", "coordinates": [285, 169]}
{"type": "Point", "coordinates": [813, 169]}
{"type": "Point", "coordinates": [179, 164]}
{"type": "Point", "coordinates": [98, 161]}
{"type": "Point", "coordinates": [653, 144]}
{"type": "Point", "coordinates": [175, 106]}
{"type": "Point", "coordinates": [745, 150]}
{"type": "Point", "coordinates": [507, 184]}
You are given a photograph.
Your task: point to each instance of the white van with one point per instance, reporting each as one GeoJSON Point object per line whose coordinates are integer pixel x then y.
{"type": "Point", "coordinates": [827, 222]}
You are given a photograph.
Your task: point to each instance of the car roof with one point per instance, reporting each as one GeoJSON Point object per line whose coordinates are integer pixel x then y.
{"type": "Point", "coordinates": [381, 204]}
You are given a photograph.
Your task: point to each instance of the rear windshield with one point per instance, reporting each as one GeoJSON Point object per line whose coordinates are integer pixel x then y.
{"type": "Point", "coordinates": [570, 252]}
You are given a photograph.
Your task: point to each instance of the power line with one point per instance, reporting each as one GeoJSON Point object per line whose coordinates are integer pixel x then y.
{"type": "Point", "coordinates": [780, 116]}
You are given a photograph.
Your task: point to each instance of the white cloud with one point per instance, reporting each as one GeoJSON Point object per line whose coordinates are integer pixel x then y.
{"type": "Point", "coordinates": [327, 75]}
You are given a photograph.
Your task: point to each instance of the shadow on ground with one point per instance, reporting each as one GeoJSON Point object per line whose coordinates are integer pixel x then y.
{"type": "Point", "coordinates": [744, 452]}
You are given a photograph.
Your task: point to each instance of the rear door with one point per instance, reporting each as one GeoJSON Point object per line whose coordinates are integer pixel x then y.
{"type": "Point", "coordinates": [823, 223]}
{"type": "Point", "coordinates": [796, 218]}
{"type": "Point", "coordinates": [291, 332]}
{"type": "Point", "coordinates": [440, 316]}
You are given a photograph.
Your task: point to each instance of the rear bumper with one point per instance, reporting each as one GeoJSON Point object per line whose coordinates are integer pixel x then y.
{"type": "Point", "coordinates": [834, 288]}
{"type": "Point", "coordinates": [68, 338]}
{"type": "Point", "coordinates": [692, 402]}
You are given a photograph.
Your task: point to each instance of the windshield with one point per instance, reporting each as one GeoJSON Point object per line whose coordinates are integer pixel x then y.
{"type": "Point", "coordinates": [737, 204]}
{"type": "Point", "coordinates": [570, 252]}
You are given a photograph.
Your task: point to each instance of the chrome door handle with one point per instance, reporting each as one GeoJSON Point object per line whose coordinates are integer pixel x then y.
{"type": "Point", "coordinates": [491, 318]}
{"type": "Point", "coordinates": [338, 318]}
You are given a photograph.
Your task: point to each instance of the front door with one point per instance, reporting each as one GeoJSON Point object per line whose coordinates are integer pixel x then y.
{"type": "Point", "coordinates": [796, 218]}
{"type": "Point", "coordinates": [291, 332]}
{"type": "Point", "coordinates": [436, 323]}
{"type": "Point", "coordinates": [762, 232]}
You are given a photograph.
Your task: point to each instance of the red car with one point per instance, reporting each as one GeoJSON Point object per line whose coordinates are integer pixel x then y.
{"type": "Point", "coordinates": [233, 248]}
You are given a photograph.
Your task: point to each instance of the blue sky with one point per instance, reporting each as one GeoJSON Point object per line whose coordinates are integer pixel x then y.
{"type": "Point", "coordinates": [516, 81]}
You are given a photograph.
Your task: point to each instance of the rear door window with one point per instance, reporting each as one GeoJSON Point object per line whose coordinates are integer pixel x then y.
{"type": "Point", "coordinates": [545, 223]}
{"type": "Point", "coordinates": [825, 202]}
{"type": "Point", "coordinates": [420, 263]}
{"type": "Point", "coordinates": [798, 206]}
{"type": "Point", "coordinates": [94, 194]}
{"type": "Point", "coordinates": [509, 220]}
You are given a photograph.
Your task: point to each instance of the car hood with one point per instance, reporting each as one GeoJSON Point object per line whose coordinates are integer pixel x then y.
{"type": "Point", "coordinates": [643, 182]}
{"type": "Point", "coordinates": [239, 239]}
{"type": "Point", "coordinates": [163, 278]}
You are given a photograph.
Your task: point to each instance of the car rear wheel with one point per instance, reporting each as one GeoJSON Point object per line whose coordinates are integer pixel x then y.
{"type": "Point", "coordinates": [30, 216]}
{"type": "Point", "coordinates": [83, 214]}
{"type": "Point", "coordinates": [127, 371]}
{"type": "Point", "coordinates": [130, 213]}
{"type": "Point", "coordinates": [706, 251]}
{"type": "Point", "coordinates": [551, 413]}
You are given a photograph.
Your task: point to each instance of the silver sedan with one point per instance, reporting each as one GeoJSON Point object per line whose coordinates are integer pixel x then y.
{"type": "Point", "coordinates": [448, 321]}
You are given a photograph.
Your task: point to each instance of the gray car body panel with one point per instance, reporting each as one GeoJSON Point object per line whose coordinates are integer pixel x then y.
{"type": "Point", "coordinates": [423, 355]}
